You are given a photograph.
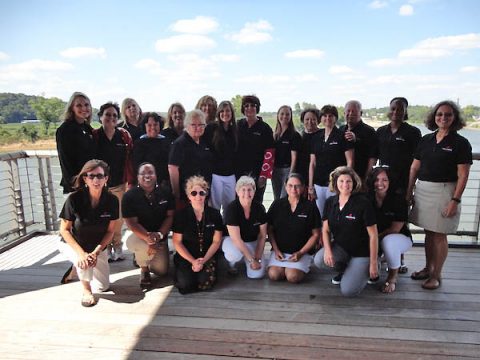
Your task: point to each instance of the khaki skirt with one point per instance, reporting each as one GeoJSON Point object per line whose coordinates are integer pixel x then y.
{"type": "Point", "coordinates": [430, 200]}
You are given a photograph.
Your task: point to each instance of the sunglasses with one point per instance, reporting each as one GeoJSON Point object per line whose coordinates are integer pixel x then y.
{"type": "Point", "coordinates": [195, 193]}
{"type": "Point", "coordinates": [93, 176]}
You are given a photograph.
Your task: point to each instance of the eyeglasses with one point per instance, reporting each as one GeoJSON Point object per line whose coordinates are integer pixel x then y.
{"type": "Point", "coordinates": [93, 176]}
{"type": "Point", "coordinates": [195, 193]}
{"type": "Point", "coordinates": [292, 186]}
{"type": "Point", "coordinates": [249, 105]}
{"type": "Point", "coordinates": [197, 125]}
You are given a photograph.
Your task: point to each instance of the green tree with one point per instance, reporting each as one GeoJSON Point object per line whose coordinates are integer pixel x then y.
{"type": "Point", "coordinates": [297, 109]}
{"type": "Point", "coordinates": [237, 106]}
{"type": "Point", "coordinates": [29, 132]}
{"type": "Point", "coordinates": [48, 111]}
{"type": "Point", "coordinates": [470, 111]}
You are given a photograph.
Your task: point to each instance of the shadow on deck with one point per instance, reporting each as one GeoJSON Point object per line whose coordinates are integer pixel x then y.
{"type": "Point", "coordinates": [240, 319]}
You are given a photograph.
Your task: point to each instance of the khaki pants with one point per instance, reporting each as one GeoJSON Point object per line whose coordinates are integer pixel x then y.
{"type": "Point", "coordinates": [157, 263]}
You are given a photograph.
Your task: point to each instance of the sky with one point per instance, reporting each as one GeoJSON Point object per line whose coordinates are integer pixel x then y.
{"type": "Point", "coordinates": [321, 52]}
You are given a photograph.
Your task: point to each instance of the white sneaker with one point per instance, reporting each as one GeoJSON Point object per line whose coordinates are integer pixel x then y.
{"type": "Point", "coordinates": [118, 254]}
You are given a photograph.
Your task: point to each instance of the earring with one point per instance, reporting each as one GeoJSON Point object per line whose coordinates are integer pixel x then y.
{"type": "Point", "coordinates": [86, 186]}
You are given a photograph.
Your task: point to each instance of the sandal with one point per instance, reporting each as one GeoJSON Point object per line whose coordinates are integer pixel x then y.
{"type": "Point", "coordinates": [389, 287]}
{"type": "Point", "coordinates": [431, 284]}
{"type": "Point", "coordinates": [420, 275]}
{"type": "Point", "coordinates": [88, 300]}
{"type": "Point", "coordinates": [403, 269]}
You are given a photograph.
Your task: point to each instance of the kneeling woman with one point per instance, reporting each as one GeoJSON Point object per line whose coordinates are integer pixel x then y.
{"type": "Point", "coordinates": [246, 223]}
{"type": "Point", "coordinates": [391, 211]}
{"type": "Point", "coordinates": [148, 211]}
{"type": "Point", "coordinates": [350, 219]}
{"type": "Point", "coordinates": [197, 235]}
{"type": "Point", "coordinates": [293, 230]}
{"type": "Point", "coordinates": [87, 225]}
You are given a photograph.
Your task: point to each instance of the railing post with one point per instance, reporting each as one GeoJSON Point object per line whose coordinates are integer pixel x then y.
{"type": "Point", "coordinates": [43, 188]}
{"type": "Point", "coordinates": [17, 193]}
{"type": "Point", "coordinates": [51, 189]}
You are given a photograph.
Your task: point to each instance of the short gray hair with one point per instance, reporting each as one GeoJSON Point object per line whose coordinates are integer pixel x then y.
{"type": "Point", "coordinates": [245, 181]}
{"type": "Point", "coordinates": [195, 114]}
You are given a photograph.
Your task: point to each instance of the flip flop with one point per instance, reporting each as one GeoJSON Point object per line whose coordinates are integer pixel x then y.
{"type": "Point", "coordinates": [420, 275]}
{"type": "Point", "coordinates": [431, 284]}
{"type": "Point", "coordinates": [391, 286]}
{"type": "Point", "coordinates": [88, 300]}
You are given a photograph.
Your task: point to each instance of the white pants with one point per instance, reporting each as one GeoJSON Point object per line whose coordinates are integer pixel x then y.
{"type": "Point", "coordinates": [393, 246]}
{"type": "Point", "coordinates": [157, 263]}
{"type": "Point", "coordinates": [322, 195]}
{"type": "Point", "coordinates": [118, 191]}
{"type": "Point", "coordinates": [222, 191]}
{"type": "Point", "coordinates": [98, 276]}
{"type": "Point", "coordinates": [234, 255]}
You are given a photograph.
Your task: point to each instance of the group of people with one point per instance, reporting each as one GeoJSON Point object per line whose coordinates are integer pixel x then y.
{"type": "Point", "coordinates": [203, 178]}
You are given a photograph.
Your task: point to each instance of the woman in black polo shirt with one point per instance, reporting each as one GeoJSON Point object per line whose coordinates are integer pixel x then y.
{"type": "Point", "coordinates": [175, 117]}
{"type": "Point", "coordinates": [293, 230]}
{"type": "Point", "coordinates": [87, 225]}
{"type": "Point", "coordinates": [391, 211]}
{"type": "Point", "coordinates": [287, 143]}
{"type": "Point", "coordinates": [197, 235]}
{"type": "Point", "coordinates": [329, 151]}
{"type": "Point", "coordinates": [310, 118]}
{"type": "Point", "coordinates": [441, 165]}
{"type": "Point", "coordinates": [148, 211]}
{"type": "Point", "coordinates": [246, 223]}
{"type": "Point", "coordinates": [349, 219]}
{"type": "Point", "coordinates": [132, 116]}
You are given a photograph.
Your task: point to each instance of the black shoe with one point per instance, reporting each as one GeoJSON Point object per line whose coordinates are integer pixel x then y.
{"type": "Point", "coordinates": [372, 281]}
{"type": "Point", "coordinates": [145, 280]}
{"type": "Point", "coordinates": [336, 280]}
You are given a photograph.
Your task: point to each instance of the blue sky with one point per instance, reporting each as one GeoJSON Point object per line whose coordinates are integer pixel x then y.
{"type": "Point", "coordinates": [159, 52]}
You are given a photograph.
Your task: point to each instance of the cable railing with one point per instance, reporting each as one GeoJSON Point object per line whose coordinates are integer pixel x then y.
{"type": "Point", "coordinates": [31, 198]}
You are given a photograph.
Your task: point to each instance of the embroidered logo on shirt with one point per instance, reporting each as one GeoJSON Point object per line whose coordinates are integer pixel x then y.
{"type": "Point", "coordinates": [389, 213]}
{"type": "Point", "coordinates": [106, 215]}
{"type": "Point", "coordinates": [333, 143]}
{"type": "Point", "coordinates": [210, 225]}
{"type": "Point", "coordinates": [285, 142]}
{"type": "Point", "coordinates": [257, 223]}
{"type": "Point", "coordinates": [256, 133]}
{"type": "Point", "coordinates": [399, 138]}
{"type": "Point", "coordinates": [302, 215]}
{"type": "Point", "coordinates": [447, 148]}
{"type": "Point", "coordinates": [350, 217]}
{"type": "Point", "coordinates": [162, 202]}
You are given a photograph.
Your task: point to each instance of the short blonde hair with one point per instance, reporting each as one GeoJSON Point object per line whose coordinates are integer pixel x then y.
{"type": "Point", "coordinates": [196, 180]}
{"type": "Point", "coordinates": [344, 170]}
{"type": "Point", "coordinates": [245, 181]}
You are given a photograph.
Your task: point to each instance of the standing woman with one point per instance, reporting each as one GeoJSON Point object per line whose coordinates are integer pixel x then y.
{"type": "Point", "coordinates": [329, 151]}
{"type": "Point", "coordinates": [114, 146]}
{"type": "Point", "coordinates": [148, 211]}
{"type": "Point", "coordinates": [197, 235]}
{"type": "Point", "coordinates": [349, 219]}
{"type": "Point", "coordinates": [246, 223]}
{"type": "Point", "coordinates": [131, 116]}
{"type": "Point", "coordinates": [175, 117]}
{"type": "Point", "coordinates": [287, 143]}
{"type": "Point", "coordinates": [391, 211]}
{"type": "Point", "coordinates": [222, 138]}
{"type": "Point", "coordinates": [153, 148]}
{"type": "Point", "coordinates": [75, 144]}
{"type": "Point", "coordinates": [87, 226]}
{"type": "Point", "coordinates": [293, 230]}
{"type": "Point", "coordinates": [208, 105]}
{"type": "Point", "coordinates": [441, 165]}
{"type": "Point", "coordinates": [310, 119]}
{"type": "Point", "coordinates": [189, 155]}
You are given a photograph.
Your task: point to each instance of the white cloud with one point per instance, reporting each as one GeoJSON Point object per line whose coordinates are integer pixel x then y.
{"type": "Point", "coordinates": [186, 42]}
{"type": "Point", "coordinates": [431, 49]}
{"type": "Point", "coordinates": [225, 58]}
{"type": "Point", "coordinates": [84, 52]}
{"type": "Point", "coordinates": [3, 56]}
{"type": "Point", "coordinates": [253, 33]}
{"type": "Point", "coordinates": [470, 69]}
{"type": "Point", "coordinates": [305, 54]}
{"type": "Point", "coordinates": [197, 25]}
{"type": "Point", "coordinates": [263, 79]}
{"type": "Point", "coordinates": [406, 10]}
{"type": "Point", "coordinates": [147, 64]}
{"type": "Point", "coordinates": [377, 4]}
{"type": "Point", "coordinates": [340, 69]}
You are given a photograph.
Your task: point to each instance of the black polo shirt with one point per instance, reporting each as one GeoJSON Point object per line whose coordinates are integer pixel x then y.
{"type": "Point", "coordinates": [155, 151]}
{"type": "Point", "coordinates": [292, 230]}
{"type": "Point", "coordinates": [170, 134]}
{"type": "Point", "coordinates": [185, 223]}
{"type": "Point", "coordinates": [149, 213]}
{"type": "Point", "coordinates": [288, 142]}
{"type": "Point", "coordinates": [224, 153]}
{"type": "Point", "coordinates": [329, 154]}
{"type": "Point", "coordinates": [394, 208]}
{"type": "Point", "coordinates": [191, 159]}
{"type": "Point", "coordinates": [75, 146]}
{"type": "Point", "coordinates": [348, 226]}
{"type": "Point", "coordinates": [303, 156]}
{"type": "Point", "coordinates": [396, 151]}
{"type": "Point", "coordinates": [134, 131]}
{"type": "Point", "coordinates": [365, 145]}
{"type": "Point", "coordinates": [439, 161]}
{"type": "Point", "coordinates": [89, 224]}
{"type": "Point", "coordinates": [249, 228]}
{"type": "Point", "coordinates": [252, 143]}
{"type": "Point", "coordinates": [114, 153]}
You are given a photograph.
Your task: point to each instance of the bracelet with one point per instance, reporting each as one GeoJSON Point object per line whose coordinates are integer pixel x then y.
{"type": "Point", "coordinates": [457, 200]}
{"type": "Point", "coordinates": [259, 260]}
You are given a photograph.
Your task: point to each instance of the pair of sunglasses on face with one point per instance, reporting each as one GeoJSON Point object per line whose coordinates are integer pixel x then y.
{"type": "Point", "coordinates": [93, 176]}
{"type": "Point", "coordinates": [195, 193]}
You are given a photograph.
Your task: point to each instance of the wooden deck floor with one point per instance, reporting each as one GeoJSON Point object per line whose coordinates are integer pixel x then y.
{"type": "Point", "coordinates": [240, 319]}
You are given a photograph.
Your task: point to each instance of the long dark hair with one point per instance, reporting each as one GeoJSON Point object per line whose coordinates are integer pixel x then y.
{"type": "Point", "coordinates": [219, 138]}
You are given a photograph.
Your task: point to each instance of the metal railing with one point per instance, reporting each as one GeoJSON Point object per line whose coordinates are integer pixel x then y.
{"type": "Point", "coordinates": [31, 198]}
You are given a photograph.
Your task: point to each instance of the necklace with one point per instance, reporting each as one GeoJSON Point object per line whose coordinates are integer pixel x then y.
{"type": "Point", "coordinates": [200, 233]}
{"type": "Point", "coordinates": [149, 197]}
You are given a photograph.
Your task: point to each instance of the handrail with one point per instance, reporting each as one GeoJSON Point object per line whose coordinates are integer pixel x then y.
{"type": "Point", "coordinates": [30, 196]}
